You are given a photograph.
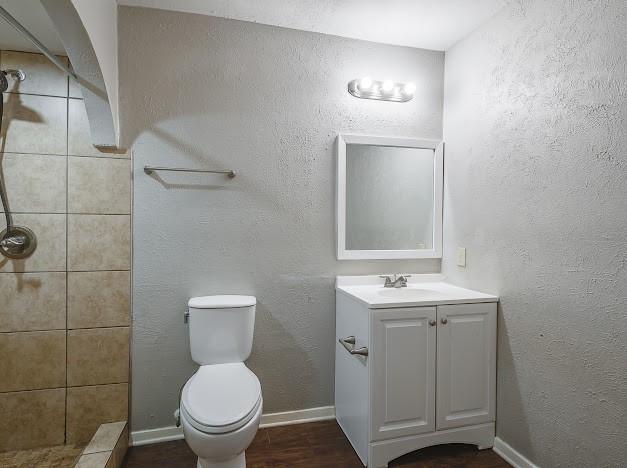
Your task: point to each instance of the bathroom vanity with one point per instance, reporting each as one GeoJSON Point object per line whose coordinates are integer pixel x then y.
{"type": "Point", "coordinates": [414, 366]}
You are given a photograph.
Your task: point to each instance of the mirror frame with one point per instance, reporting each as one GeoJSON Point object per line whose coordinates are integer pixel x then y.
{"type": "Point", "coordinates": [340, 196]}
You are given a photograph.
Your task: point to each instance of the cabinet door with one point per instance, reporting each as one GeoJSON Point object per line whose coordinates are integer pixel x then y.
{"type": "Point", "coordinates": [402, 372]}
{"type": "Point", "coordinates": [466, 364]}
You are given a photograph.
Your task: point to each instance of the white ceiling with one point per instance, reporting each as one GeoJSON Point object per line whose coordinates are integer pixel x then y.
{"type": "Point", "coordinates": [428, 24]}
{"type": "Point", "coordinates": [34, 18]}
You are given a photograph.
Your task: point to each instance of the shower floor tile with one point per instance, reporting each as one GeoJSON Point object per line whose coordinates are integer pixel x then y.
{"type": "Point", "coordinates": [60, 456]}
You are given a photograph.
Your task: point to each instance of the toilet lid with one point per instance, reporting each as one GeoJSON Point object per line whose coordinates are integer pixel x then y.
{"type": "Point", "coordinates": [221, 302]}
{"type": "Point", "coordinates": [221, 397]}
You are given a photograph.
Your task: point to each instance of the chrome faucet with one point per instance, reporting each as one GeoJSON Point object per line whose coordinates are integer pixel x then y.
{"type": "Point", "coordinates": [399, 281]}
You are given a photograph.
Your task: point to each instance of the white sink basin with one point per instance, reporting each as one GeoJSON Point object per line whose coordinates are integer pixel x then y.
{"type": "Point", "coordinates": [421, 290]}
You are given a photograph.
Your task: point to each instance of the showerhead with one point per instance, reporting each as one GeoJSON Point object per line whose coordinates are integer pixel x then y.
{"type": "Point", "coordinates": [4, 83]}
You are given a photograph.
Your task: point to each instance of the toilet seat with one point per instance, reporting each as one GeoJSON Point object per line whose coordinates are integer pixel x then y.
{"type": "Point", "coordinates": [221, 398]}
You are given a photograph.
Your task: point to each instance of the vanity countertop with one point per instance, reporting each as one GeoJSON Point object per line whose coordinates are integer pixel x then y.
{"type": "Point", "coordinates": [421, 290]}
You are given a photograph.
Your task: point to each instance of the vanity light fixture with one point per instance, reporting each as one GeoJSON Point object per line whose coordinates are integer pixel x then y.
{"type": "Point", "coordinates": [388, 90]}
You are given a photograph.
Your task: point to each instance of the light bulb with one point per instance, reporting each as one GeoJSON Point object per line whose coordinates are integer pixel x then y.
{"type": "Point", "coordinates": [365, 83]}
{"type": "Point", "coordinates": [388, 86]}
{"type": "Point", "coordinates": [409, 89]}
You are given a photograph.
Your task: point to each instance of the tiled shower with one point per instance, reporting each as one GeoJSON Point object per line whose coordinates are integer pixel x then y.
{"type": "Point", "coordinates": [64, 311]}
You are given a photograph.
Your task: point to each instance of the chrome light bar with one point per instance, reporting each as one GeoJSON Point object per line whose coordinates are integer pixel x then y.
{"type": "Point", "coordinates": [388, 90]}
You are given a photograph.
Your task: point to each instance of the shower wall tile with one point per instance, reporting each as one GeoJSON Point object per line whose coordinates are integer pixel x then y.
{"type": "Point", "coordinates": [32, 301]}
{"type": "Point", "coordinates": [99, 185]}
{"type": "Point", "coordinates": [98, 299]}
{"type": "Point", "coordinates": [74, 89]}
{"type": "Point", "coordinates": [97, 356]}
{"type": "Point", "coordinates": [42, 77]}
{"type": "Point", "coordinates": [79, 137]}
{"type": "Point", "coordinates": [35, 183]}
{"type": "Point", "coordinates": [99, 242]}
{"type": "Point", "coordinates": [33, 360]}
{"type": "Point", "coordinates": [50, 254]}
{"type": "Point", "coordinates": [32, 419]}
{"type": "Point", "coordinates": [88, 407]}
{"type": "Point", "coordinates": [34, 124]}
{"type": "Point", "coordinates": [60, 328]}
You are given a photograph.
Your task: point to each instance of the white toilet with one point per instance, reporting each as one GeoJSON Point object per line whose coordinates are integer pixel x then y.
{"type": "Point", "coordinates": [221, 403]}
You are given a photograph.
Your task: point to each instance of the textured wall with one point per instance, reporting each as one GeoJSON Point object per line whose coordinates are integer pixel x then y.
{"type": "Point", "coordinates": [267, 102]}
{"type": "Point", "coordinates": [101, 23]}
{"type": "Point", "coordinates": [535, 111]}
{"type": "Point", "coordinates": [421, 23]}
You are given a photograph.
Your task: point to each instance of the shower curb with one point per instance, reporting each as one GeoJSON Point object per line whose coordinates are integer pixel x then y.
{"type": "Point", "coordinates": [107, 447]}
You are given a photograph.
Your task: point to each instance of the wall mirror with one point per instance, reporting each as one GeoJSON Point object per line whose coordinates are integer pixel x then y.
{"type": "Point", "coordinates": [389, 197]}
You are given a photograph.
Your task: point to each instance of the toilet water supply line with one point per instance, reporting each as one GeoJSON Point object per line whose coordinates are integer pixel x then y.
{"type": "Point", "coordinates": [177, 412]}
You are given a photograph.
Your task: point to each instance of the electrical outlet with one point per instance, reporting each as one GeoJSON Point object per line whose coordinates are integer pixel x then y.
{"type": "Point", "coordinates": [461, 257]}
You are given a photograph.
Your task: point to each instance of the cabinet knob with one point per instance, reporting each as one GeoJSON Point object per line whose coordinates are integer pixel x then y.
{"type": "Point", "coordinates": [444, 320]}
{"type": "Point", "coordinates": [432, 323]}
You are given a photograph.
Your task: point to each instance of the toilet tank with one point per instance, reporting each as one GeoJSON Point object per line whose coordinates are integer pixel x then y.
{"type": "Point", "coordinates": [221, 328]}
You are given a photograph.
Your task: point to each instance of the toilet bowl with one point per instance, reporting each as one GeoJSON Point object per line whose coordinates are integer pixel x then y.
{"type": "Point", "coordinates": [221, 403]}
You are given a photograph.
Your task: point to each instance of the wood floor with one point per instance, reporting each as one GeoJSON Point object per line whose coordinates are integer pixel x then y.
{"type": "Point", "coordinates": [314, 445]}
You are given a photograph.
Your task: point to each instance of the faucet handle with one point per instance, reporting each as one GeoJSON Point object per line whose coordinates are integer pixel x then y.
{"type": "Point", "coordinates": [12, 241]}
{"type": "Point", "coordinates": [388, 280]}
{"type": "Point", "coordinates": [403, 280]}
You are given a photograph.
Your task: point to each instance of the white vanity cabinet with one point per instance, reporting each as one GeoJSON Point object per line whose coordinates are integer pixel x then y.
{"type": "Point", "coordinates": [429, 376]}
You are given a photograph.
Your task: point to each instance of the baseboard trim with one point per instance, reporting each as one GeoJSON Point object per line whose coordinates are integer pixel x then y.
{"type": "Point", "coordinates": [286, 418]}
{"type": "Point", "coordinates": [155, 436]}
{"type": "Point", "coordinates": [511, 456]}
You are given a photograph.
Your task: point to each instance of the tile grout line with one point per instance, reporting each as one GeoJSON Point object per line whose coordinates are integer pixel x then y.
{"type": "Point", "coordinates": [45, 95]}
{"type": "Point", "coordinates": [63, 388]}
{"type": "Point", "coordinates": [64, 213]}
{"type": "Point", "coordinates": [32, 272]}
{"type": "Point", "coordinates": [63, 329]}
{"type": "Point", "coordinates": [129, 395]}
{"type": "Point", "coordinates": [67, 209]}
